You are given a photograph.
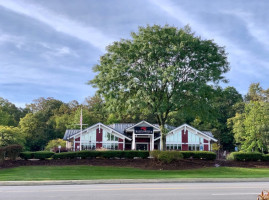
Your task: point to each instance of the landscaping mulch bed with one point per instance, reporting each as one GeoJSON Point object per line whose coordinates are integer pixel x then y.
{"type": "Point", "coordinates": [137, 163]}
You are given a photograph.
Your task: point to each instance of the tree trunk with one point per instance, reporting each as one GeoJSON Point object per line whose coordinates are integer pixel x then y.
{"type": "Point", "coordinates": [163, 138]}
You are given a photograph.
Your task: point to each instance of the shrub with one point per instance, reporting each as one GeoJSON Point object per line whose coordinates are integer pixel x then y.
{"type": "Point", "coordinates": [167, 156]}
{"type": "Point", "coordinates": [89, 154]}
{"type": "Point", "coordinates": [230, 156]}
{"type": "Point", "coordinates": [2, 154]}
{"type": "Point", "coordinates": [13, 151]}
{"type": "Point", "coordinates": [112, 154]}
{"type": "Point", "coordinates": [42, 155]}
{"type": "Point", "coordinates": [26, 155]}
{"type": "Point", "coordinates": [206, 155]}
{"type": "Point", "coordinates": [103, 154]}
{"type": "Point", "coordinates": [65, 155]}
{"type": "Point", "coordinates": [243, 156]}
{"type": "Point", "coordinates": [154, 154]}
{"type": "Point", "coordinates": [265, 157]}
{"type": "Point", "coordinates": [187, 154]}
{"type": "Point", "coordinates": [133, 154]}
{"type": "Point", "coordinates": [142, 154]}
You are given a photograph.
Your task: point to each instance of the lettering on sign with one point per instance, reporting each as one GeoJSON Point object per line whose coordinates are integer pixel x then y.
{"type": "Point", "coordinates": [143, 130]}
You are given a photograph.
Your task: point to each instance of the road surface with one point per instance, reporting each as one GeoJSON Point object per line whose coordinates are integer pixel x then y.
{"type": "Point", "coordinates": [157, 191]}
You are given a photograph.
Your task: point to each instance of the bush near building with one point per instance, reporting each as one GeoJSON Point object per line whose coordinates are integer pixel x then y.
{"type": "Point", "coordinates": [42, 155]}
{"type": "Point", "coordinates": [246, 156]}
{"type": "Point", "coordinates": [167, 156]}
{"type": "Point", "coordinates": [206, 155]}
{"type": "Point", "coordinates": [10, 151]}
{"type": "Point", "coordinates": [103, 154]}
{"type": "Point", "coordinates": [27, 155]}
{"type": "Point", "coordinates": [2, 154]}
{"type": "Point", "coordinates": [13, 151]}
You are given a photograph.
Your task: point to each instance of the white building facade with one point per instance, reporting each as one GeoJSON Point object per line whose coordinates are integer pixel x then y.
{"type": "Point", "coordinates": [140, 136]}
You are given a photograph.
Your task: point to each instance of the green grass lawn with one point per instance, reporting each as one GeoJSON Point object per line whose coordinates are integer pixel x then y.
{"type": "Point", "coordinates": [93, 172]}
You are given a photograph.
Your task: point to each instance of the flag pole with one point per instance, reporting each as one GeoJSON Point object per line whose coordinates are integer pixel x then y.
{"type": "Point", "coordinates": [80, 129]}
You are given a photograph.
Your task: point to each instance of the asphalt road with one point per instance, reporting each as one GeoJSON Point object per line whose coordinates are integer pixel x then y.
{"type": "Point", "coordinates": [157, 191]}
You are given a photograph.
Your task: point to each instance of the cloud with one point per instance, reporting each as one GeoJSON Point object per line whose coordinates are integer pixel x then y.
{"type": "Point", "coordinates": [60, 23]}
{"type": "Point", "coordinates": [258, 32]}
{"type": "Point", "coordinates": [236, 53]}
{"type": "Point", "coordinates": [15, 40]}
{"type": "Point", "coordinates": [51, 51]}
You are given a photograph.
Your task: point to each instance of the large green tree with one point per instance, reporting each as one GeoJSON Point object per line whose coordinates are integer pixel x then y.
{"type": "Point", "coordinates": [250, 124]}
{"type": "Point", "coordinates": [223, 107]}
{"type": "Point", "coordinates": [161, 69]}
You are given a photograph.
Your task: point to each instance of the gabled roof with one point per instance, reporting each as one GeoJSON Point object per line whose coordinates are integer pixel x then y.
{"type": "Point", "coordinates": [153, 125]}
{"type": "Point", "coordinates": [120, 127]}
{"type": "Point", "coordinates": [76, 132]}
{"type": "Point", "coordinates": [207, 134]}
{"type": "Point", "coordinates": [69, 133]}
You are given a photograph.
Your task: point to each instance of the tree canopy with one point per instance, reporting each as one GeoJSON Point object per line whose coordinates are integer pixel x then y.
{"type": "Point", "coordinates": [250, 124]}
{"type": "Point", "coordinates": [159, 70]}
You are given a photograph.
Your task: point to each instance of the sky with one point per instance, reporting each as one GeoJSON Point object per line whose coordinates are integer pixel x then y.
{"type": "Point", "coordinates": [48, 47]}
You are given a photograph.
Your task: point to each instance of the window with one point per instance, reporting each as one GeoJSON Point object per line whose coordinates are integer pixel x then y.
{"type": "Point", "coordinates": [191, 147]}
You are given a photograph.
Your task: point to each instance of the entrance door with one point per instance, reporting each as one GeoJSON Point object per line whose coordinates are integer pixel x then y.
{"type": "Point", "coordinates": [141, 146]}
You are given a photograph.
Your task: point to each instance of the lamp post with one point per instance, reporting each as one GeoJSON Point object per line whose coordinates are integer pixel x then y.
{"type": "Point", "coordinates": [59, 147]}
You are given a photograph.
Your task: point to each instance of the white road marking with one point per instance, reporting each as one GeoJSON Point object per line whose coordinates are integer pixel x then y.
{"type": "Point", "coordinates": [234, 194]}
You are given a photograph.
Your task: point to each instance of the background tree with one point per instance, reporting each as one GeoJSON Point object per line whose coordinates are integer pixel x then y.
{"type": "Point", "coordinates": [160, 69]}
{"type": "Point", "coordinates": [39, 126]}
{"type": "Point", "coordinates": [250, 125]}
{"type": "Point", "coordinates": [33, 130]}
{"type": "Point", "coordinates": [55, 143]}
{"type": "Point", "coordinates": [10, 135]}
{"type": "Point", "coordinates": [257, 93]}
{"type": "Point", "coordinates": [251, 128]}
{"type": "Point", "coordinates": [9, 114]}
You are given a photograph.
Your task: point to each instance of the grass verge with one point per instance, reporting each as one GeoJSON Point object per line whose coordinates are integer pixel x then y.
{"type": "Point", "coordinates": [94, 172]}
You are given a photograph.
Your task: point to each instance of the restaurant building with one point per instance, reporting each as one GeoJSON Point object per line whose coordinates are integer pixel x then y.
{"type": "Point", "coordinates": [140, 136]}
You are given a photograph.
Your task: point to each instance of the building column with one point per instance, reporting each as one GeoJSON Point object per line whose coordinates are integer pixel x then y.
{"type": "Point", "coordinates": [133, 142]}
{"type": "Point", "coordinates": [152, 143]}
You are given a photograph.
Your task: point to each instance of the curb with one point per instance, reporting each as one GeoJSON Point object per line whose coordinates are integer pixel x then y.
{"type": "Point", "coordinates": [131, 181]}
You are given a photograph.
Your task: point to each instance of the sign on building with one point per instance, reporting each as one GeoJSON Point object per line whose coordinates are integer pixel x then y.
{"type": "Point", "coordinates": [143, 130]}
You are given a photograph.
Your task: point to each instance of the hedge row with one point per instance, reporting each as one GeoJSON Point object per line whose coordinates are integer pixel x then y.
{"type": "Point", "coordinates": [251, 156]}
{"type": "Point", "coordinates": [165, 156]}
{"type": "Point", "coordinates": [206, 155]}
{"type": "Point", "coordinates": [103, 154]}
{"type": "Point", "coordinates": [84, 154]}
{"type": "Point", "coordinates": [169, 156]}
{"type": "Point", "coordinates": [42, 155]}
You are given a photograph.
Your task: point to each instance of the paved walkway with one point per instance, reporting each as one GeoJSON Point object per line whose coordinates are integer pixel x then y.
{"type": "Point", "coordinates": [126, 181]}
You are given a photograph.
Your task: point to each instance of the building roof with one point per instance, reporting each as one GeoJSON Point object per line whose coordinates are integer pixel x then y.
{"type": "Point", "coordinates": [205, 133]}
{"type": "Point", "coordinates": [209, 133]}
{"type": "Point", "coordinates": [121, 127]}
{"type": "Point", "coordinates": [70, 132]}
